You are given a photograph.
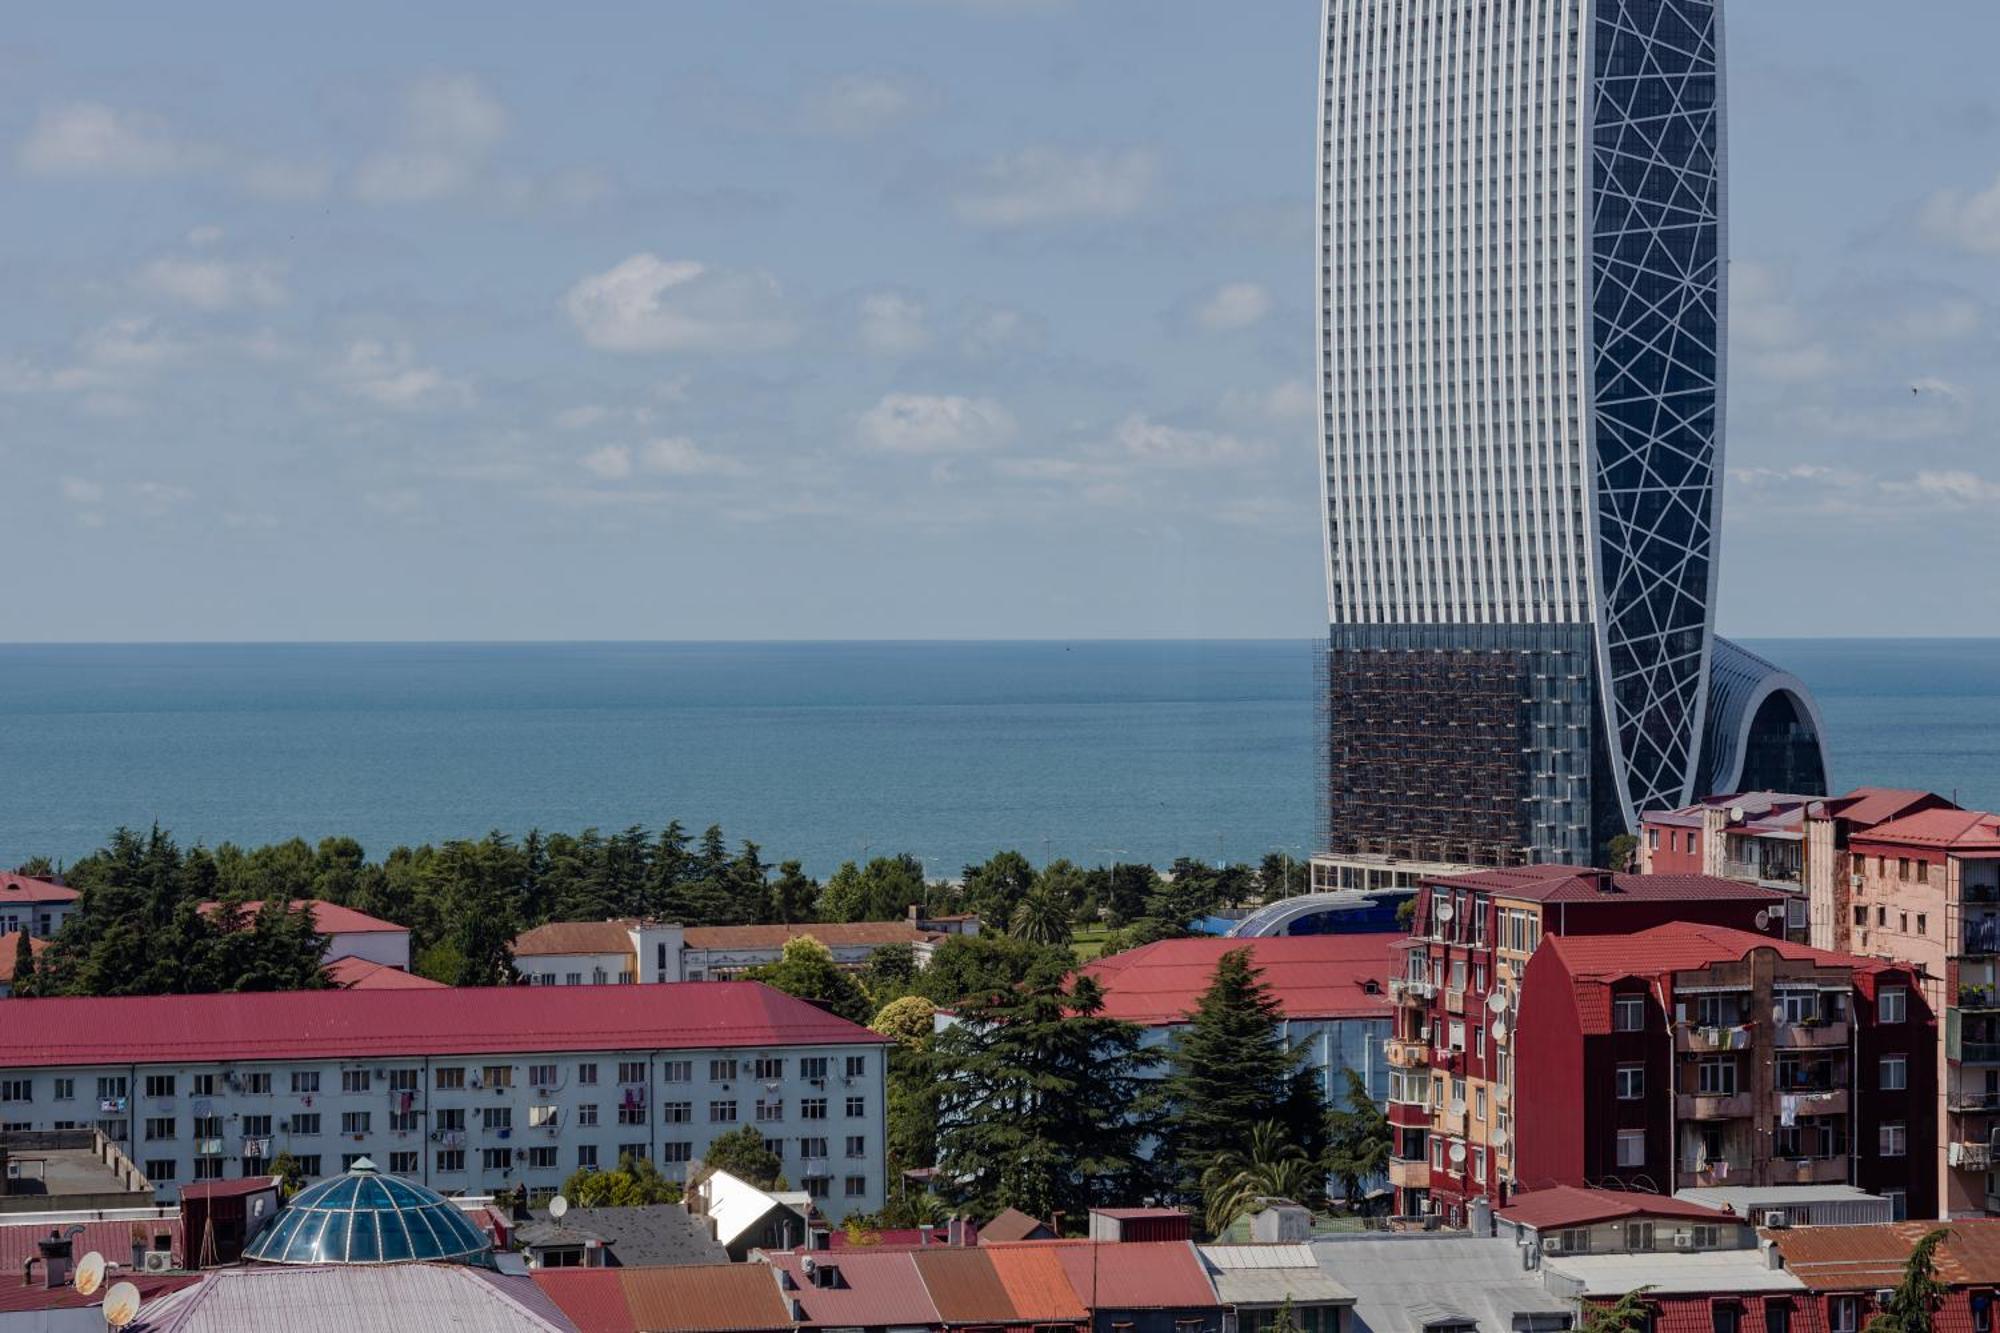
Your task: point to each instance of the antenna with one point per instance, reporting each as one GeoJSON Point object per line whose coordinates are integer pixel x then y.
{"type": "Point", "coordinates": [558, 1206]}
{"type": "Point", "coordinates": [121, 1304]}
{"type": "Point", "coordinates": [89, 1274]}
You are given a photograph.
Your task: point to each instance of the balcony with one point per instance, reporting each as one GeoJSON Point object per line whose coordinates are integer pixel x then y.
{"type": "Point", "coordinates": [1961, 1156]}
{"type": "Point", "coordinates": [1454, 1001]}
{"type": "Point", "coordinates": [1692, 1040]}
{"type": "Point", "coordinates": [1720, 1171]}
{"type": "Point", "coordinates": [1811, 1036]}
{"type": "Point", "coordinates": [1978, 936]}
{"type": "Point", "coordinates": [1977, 997]}
{"type": "Point", "coordinates": [1404, 990]}
{"type": "Point", "coordinates": [1713, 1106]}
{"type": "Point", "coordinates": [1763, 870]}
{"type": "Point", "coordinates": [1809, 1171]}
{"type": "Point", "coordinates": [1818, 1101]}
{"type": "Point", "coordinates": [1409, 1173]}
{"type": "Point", "coordinates": [1407, 1054]}
{"type": "Point", "coordinates": [1973, 1101]}
{"type": "Point", "coordinates": [1976, 1052]}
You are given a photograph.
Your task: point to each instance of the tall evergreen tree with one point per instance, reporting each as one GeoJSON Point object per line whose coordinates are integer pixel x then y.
{"type": "Point", "coordinates": [1913, 1306]}
{"type": "Point", "coordinates": [1359, 1141]}
{"type": "Point", "coordinates": [24, 964]}
{"type": "Point", "coordinates": [1036, 1090]}
{"type": "Point", "coordinates": [1229, 1068]}
{"type": "Point", "coordinates": [794, 894]}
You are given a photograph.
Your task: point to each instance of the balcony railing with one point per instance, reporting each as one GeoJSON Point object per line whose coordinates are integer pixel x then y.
{"type": "Point", "coordinates": [1403, 1054]}
{"type": "Point", "coordinates": [1979, 936]}
{"type": "Point", "coordinates": [1409, 1173]}
{"type": "Point", "coordinates": [1811, 1036]}
{"type": "Point", "coordinates": [1962, 1156]}
{"type": "Point", "coordinates": [1809, 1170]}
{"type": "Point", "coordinates": [1979, 893]}
{"type": "Point", "coordinates": [1979, 1052]}
{"type": "Point", "coordinates": [1769, 871]}
{"type": "Point", "coordinates": [1973, 1102]}
{"type": "Point", "coordinates": [1818, 1101]}
{"type": "Point", "coordinates": [1697, 1040]}
{"type": "Point", "coordinates": [1714, 1106]}
{"type": "Point", "coordinates": [1406, 990]}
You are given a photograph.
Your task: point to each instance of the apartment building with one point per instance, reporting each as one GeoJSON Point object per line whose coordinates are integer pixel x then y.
{"type": "Point", "coordinates": [471, 1090]}
{"type": "Point", "coordinates": [1794, 843]}
{"type": "Point", "coordinates": [1690, 1056]}
{"type": "Point", "coordinates": [1455, 1000]}
{"type": "Point", "coordinates": [1925, 890]}
{"type": "Point", "coordinates": [596, 953]}
{"type": "Point", "coordinates": [34, 906]}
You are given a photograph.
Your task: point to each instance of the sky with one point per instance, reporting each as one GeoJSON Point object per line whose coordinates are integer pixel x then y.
{"type": "Point", "coordinates": [863, 319]}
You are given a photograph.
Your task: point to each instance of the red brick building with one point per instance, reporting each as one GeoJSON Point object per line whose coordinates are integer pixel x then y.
{"type": "Point", "coordinates": [1688, 1056]}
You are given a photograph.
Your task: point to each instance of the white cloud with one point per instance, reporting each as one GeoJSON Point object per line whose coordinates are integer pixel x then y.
{"type": "Point", "coordinates": [856, 105]}
{"type": "Point", "coordinates": [681, 457]}
{"type": "Point", "coordinates": [1042, 185]}
{"type": "Point", "coordinates": [92, 139]}
{"type": "Point", "coordinates": [649, 304]}
{"type": "Point", "coordinates": [130, 342]}
{"type": "Point", "coordinates": [1776, 339]}
{"type": "Point", "coordinates": [387, 375]}
{"type": "Point", "coordinates": [1000, 332]}
{"type": "Point", "coordinates": [82, 491]}
{"type": "Point", "coordinates": [1148, 441]}
{"type": "Point", "coordinates": [451, 126]}
{"type": "Point", "coordinates": [913, 423]}
{"type": "Point", "coordinates": [214, 284]}
{"type": "Point", "coordinates": [1955, 488]}
{"type": "Point", "coordinates": [1234, 305]}
{"type": "Point", "coordinates": [204, 235]}
{"type": "Point", "coordinates": [612, 463]}
{"type": "Point", "coordinates": [1967, 221]}
{"type": "Point", "coordinates": [892, 325]}
{"type": "Point", "coordinates": [287, 181]}
{"type": "Point", "coordinates": [582, 417]}
{"type": "Point", "coordinates": [1945, 320]}
{"type": "Point", "coordinates": [161, 495]}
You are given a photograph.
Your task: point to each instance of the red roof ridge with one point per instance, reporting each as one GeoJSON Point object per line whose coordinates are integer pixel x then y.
{"type": "Point", "coordinates": [35, 890]}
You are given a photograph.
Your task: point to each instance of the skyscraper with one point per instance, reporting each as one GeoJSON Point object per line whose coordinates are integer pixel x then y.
{"type": "Point", "coordinates": [1522, 317]}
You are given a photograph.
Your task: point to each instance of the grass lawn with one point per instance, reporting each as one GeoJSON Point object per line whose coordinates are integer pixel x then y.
{"type": "Point", "coordinates": [1088, 941]}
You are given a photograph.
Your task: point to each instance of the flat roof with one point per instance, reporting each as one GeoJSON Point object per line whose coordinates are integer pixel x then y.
{"type": "Point", "coordinates": [1667, 1273]}
{"type": "Point", "coordinates": [1740, 1197]}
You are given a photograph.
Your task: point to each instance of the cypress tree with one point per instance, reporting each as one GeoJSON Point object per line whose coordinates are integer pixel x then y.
{"type": "Point", "coordinates": [24, 964]}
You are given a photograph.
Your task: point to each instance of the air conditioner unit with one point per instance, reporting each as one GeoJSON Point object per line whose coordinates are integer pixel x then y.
{"type": "Point", "coordinates": [158, 1261]}
{"type": "Point", "coordinates": [1883, 1295]}
{"type": "Point", "coordinates": [1777, 1219]}
{"type": "Point", "coordinates": [1683, 1240]}
{"type": "Point", "coordinates": [1552, 1245]}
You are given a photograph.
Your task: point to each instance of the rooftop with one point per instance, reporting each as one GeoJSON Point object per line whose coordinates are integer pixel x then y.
{"type": "Point", "coordinates": [1010, 1224]}
{"type": "Point", "coordinates": [1680, 946]}
{"type": "Point", "coordinates": [10, 945]}
{"type": "Point", "coordinates": [56, 1168]}
{"type": "Point", "coordinates": [1742, 1198]}
{"type": "Point", "coordinates": [719, 1296]}
{"type": "Point", "coordinates": [656, 1234]}
{"type": "Point", "coordinates": [21, 1298]}
{"type": "Point", "coordinates": [364, 1217]}
{"type": "Point", "coordinates": [113, 1240]}
{"type": "Point", "coordinates": [1695, 1272]}
{"type": "Point", "coordinates": [877, 1287]}
{"type": "Point", "coordinates": [1310, 976]}
{"type": "Point", "coordinates": [1392, 1274]}
{"type": "Point", "coordinates": [328, 918]}
{"type": "Point", "coordinates": [1869, 806]}
{"type": "Point", "coordinates": [1952, 830]}
{"type": "Point", "coordinates": [355, 1024]}
{"type": "Point", "coordinates": [833, 934]}
{"type": "Point", "coordinates": [1270, 1275]}
{"type": "Point", "coordinates": [16, 890]}
{"type": "Point", "coordinates": [337, 1299]}
{"type": "Point", "coordinates": [359, 974]}
{"type": "Point", "coordinates": [1567, 884]}
{"type": "Point", "coordinates": [1864, 1258]}
{"type": "Point", "coordinates": [1575, 1206]}
{"type": "Point", "coordinates": [557, 938]}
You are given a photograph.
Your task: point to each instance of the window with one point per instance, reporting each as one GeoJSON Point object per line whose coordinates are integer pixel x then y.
{"type": "Point", "coordinates": [1479, 1102]}
{"type": "Point", "coordinates": [307, 1125]}
{"type": "Point", "coordinates": [1923, 920]}
{"type": "Point", "coordinates": [1899, 1204]}
{"type": "Point", "coordinates": [812, 1108]}
{"type": "Point", "coordinates": [1842, 1312]}
{"type": "Point", "coordinates": [770, 1067]}
{"type": "Point", "coordinates": [159, 1127]}
{"type": "Point", "coordinates": [816, 1186]}
{"type": "Point", "coordinates": [721, 1071]}
{"type": "Point", "coordinates": [1638, 1235]}
{"type": "Point", "coordinates": [65, 1089]}
{"type": "Point", "coordinates": [1456, 1034]}
{"type": "Point", "coordinates": [857, 1066]}
{"type": "Point", "coordinates": [770, 1109]}
{"type": "Point", "coordinates": [676, 1150]}
{"type": "Point", "coordinates": [812, 1067]}
{"type": "Point", "coordinates": [1892, 1003]}
{"type": "Point", "coordinates": [1479, 1165]}
{"type": "Point", "coordinates": [632, 1113]}
{"type": "Point", "coordinates": [1628, 1013]}
{"type": "Point", "coordinates": [634, 1071]}
{"type": "Point", "coordinates": [776, 1147]}
{"type": "Point", "coordinates": [586, 1114]}
{"type": "Point", "coordinates": [256, 1127]}
{"type": "Point", "coordinates": [1716, 1076]}
{"type": "Point", "coordinates": [542, 1117]}
{"type": "Point", "coordinates": [1895, 1073]}
{"type": "Point", "coordinates": [201, 1085]}
{"type": "Point", "coordinates": [1798, 1006]}
{"type": "Point", "coordinates": [208, 1126]}
{"type": "Point", "coordinates": [354, 1080]}
{"type": "Point", "coordinates": [1725, 1316]}
{"type": "Point", "coordinates": [402, 1080]}
{"type": "Point", "coordinates": [159, 1085]}
{"type": "Point", "coordinates": [496, 1118]}
{"type": "Point", "coordinates": [1704, 1237]}
{"type": "Point", "coordinates": [676, 1113]}
{"type": "Point", "coordinates": [1576, 1240]}
{"type": "Point", "coordinates": [258, 1084]}
{"type": "Point", "coordinates": [635, 1151]}
{"type": "Point", "coordinates": [450, 1120]}
{"type": "Point", "coordinates": [403, 1122]}
{"type": "Point", "coordinates": [348, 1159]}
{"type": "Point", "coordinates": [586, 1155]}
{"type": "Point", "coordinates": [1631, 1147]}
{"type": "Point", "coordinates": [542, 1076]}
{"type": "Point", "coordinates": [1631, 1082]}
{"type": "Point", "coordinates": [308, 1167]}
{"type": "Point", "coordinates": [572, 978]}
{"type": "Point", "coordinates": [722, 1113]}
{"type": "Point", "coordinates": [405, 1163]}
{"type": "Point", "coordinates": [499, 1076]}
{"type": "Point", "coordinates": [543, 1158]}
{"type": "Point", "coordinates": [812, 1149]}
{"type": "Point", "coordinates": [354, 1122]}
{"type": "Point", "coordinates": [159, 1169]}
{"type": "Point", "coordinates": [305, 1081]}
{"type": "Point", "coordinates": [857, 1145]}
{"type": "Point", "coordinates": [450, 1078]}
{"type": "Point", "coordinates": [210, 1168]}
{"type": "Point", "coordinates": [856, 1186]}
{"type": "Point", "coordinates": [110, 1089]}
{"type": "Point", "coordinates": [675, 1071]}
{"type": "Point", "coordinates": [587, 1074]}
{"type": "Point", "coordinates": [17, 1090]}
{"type": "Point", "coordinates": [496, 1159]}
{"type": "Point", "coordinates": [1982, 1311]}
{"type": "Point", "coordinates": [1892, 1140]}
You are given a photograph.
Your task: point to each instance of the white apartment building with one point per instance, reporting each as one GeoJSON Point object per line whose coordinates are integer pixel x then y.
{"type": "Point", "coordinates": [34, 906]}
{"type": "Point", "coordinates": [596, 953]}
{"type": "Point", "coordinates": [349, 934]}
{"type": "Point", "coordinates": [470, 1091]}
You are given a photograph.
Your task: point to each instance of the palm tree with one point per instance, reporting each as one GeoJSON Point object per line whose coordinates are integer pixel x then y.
{"type": "Point", "coordinates": [1272, 1167]}
{"type": "Point", "coordinates": [1041, 918]}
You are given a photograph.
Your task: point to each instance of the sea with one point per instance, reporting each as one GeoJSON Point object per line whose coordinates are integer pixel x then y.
{"type": "Point", "coordinates": [824, 752]}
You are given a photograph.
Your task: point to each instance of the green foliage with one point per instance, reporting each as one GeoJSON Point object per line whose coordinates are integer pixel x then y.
{"type": "Point", "coordinates": [965, 966]}
{"type": "Point", "coordinates": [1406, 911]}
{"type": "Point", "coordinates": [1627, 1314]}
{"type": "Point", "coordinates": [1035, 1093]}
{"type": "Point", "coordinates": [908, 1020]}
{"type": "Point", "coordinates": [794, 894]}
{"type": "Point", "coordinates": [291, 1179]}
{"type": "Point", "coordinates": [1623, 852]}
{"type": "Point", "coordinates": [883, 890]}
{"type": "Point", "coordinates": [1041, 918]}
{"type": "Point", "coordinates": [24, 964]}
{"type": "Point", "coordinates": [1280, 875]}
{"type": "Point", "coordinates": [995, 887]}
{"type": "Point", "coordinates": [1917, 1297]}
{"type": "Point", "coordinates": [1229, 1068]}
{"type": "Point", "coordinates": [1270, 1167]}
{"type": "Point", "coordinates": [636, 1183]}
{"type": "Point", "coordinates": [912, 1084]}
{"type": "Point", "coordinates": [1359, 1140]}
{"type": "Point", "coordinates": [1128, 889]}
{"type": "Point", "coordinates": [891, 972]}
{"type": "Point", "coordinates": [806, 969]}
{"type": "Point", "coordinates": [1284, 1321]}
{"type": "Point", "coordinates": [743, 1154]}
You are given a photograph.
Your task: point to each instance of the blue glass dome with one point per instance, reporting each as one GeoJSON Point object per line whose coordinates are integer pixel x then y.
{"type": "Point", "coordinates": [365, 1217]}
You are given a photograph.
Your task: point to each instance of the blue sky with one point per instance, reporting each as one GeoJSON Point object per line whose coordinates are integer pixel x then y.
{"type": "Point", "coordinates": [862, 318]}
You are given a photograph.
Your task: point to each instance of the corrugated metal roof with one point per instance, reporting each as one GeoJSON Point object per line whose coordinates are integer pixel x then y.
{"type": "Point", "coordinates": [328, 918]}
{"type": "Point", "coordinates": [1010, 1224]}
{"type": "Point", "coordinates": [360, 974]}
{"type": "Point", "coordinates": [1271, 1275]}
{"type": "Point", "coordinates": [1862, 1258]}
{"type": "Point", "coordinates": [1135, 1275]}
{"type": "Point", "coordinates": [964, 1286]}
{"type": "Point", "coordinates": [111, 1239]}
{"type": "Point", "coordinates": [1036, 1284]}
{"type": "Point", "coordinates": [1716, 1271]}
{"type": "Point", "coordinates": [1575, 1206]}
{"type": "Point", "coordinates": [697, 1297]}
{"type": "Point", "coordinates": [574, 937]}
{"type": "Point", "coordinates": [1559, 884]}
{"type": "Point", "coordinates": [18, 1298]}
{"type": "Point", "coordinates": [348, 1024]}
{"type": "Point", "coordinates": [875, 1288]}
{"type": "Point", "coordinates": [591, 1298]}
{"type": "Point", "coordinates": [1957, 830]}
{"type": "Point", "coordinates": [355, 1298]}
{"type": "Point", "coordinates": [1310, 976]}
{"type": "Point", "coordinates": [1390, 1273]}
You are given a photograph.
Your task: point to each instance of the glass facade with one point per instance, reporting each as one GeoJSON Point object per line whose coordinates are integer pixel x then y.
{"type": "Point", "coordinates": [364, 1217]}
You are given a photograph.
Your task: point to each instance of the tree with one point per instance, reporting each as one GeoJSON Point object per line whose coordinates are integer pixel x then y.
{"type": "Point", "coordinates": [912, 1110]}
{"type": "Point", "coordinates": [1622, 852]}
{"type": "Point", "coordinates": [24, 964]}
{"type": "Point", "coordinates": [793, 894]}
{"type": "Point", "coordinates": [806, 969]}
{"type": "Point", "coordinates": [891, 971]}
{"type": "Point", "coordinates": [1035, 1094]}
{"type": "Point", "coordinates": [964, 966]}
{"type": "Point", "coordinates": [1627, 1314]}
{"type": "Point", "coordinates": [1270, 1167]}
{"type": "Point", "coordinates": [1914, 1304]}
{"type": "Point", "coordinates": [635, 1184]}
{"type": "Point", "coordinates": [1359, 1140]}
{"type": "Point", "coordinates": [291, 1179]}
{"type": "Point", "coordinates": [1280, 875]}
{"type": "Point", "coordinates": [1228, 1068]}
{"type": "Point", "coordinates": [1284, 1321]}
{"type": "Point", "coordinates": [744, 1154]}
{"type": "Point", "coordinates": [909, 1021]}
{"type": "Point", "coordinates": [1041, 918]}
{"type": "Point", "coordinates": [996, 886]}
{"type": "Point", "coordinates": [883, 890]}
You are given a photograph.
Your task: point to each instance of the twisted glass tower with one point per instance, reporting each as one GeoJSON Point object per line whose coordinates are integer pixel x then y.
{"type": "Point", "coordinates": [1521, 222]}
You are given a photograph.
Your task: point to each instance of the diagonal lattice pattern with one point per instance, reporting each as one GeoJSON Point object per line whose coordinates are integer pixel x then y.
{"type": "Point", "coordinates": [1656, 301]}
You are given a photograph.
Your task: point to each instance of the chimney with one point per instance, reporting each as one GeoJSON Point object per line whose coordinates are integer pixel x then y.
{"type": "Point", "coordinates": [55, 1253]}
{"type": "Point", "coordinates": [954, 1230]}
{"type": "Point", "coordinates": [1479, 1217]}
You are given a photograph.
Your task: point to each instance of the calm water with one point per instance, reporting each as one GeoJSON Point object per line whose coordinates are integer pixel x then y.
{"type": "Point", "coordinates": [1095, 751]}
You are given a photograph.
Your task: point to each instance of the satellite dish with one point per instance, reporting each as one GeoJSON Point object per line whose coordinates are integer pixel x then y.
{"type": "Point", "coordinates": [1497, 1002]}
{"type": "Point", "coordinates": [89, 1275]}
{"type": "Point", "coordinates": [1499, 1032]}
{"type": "Point", "coordinates": [121, 1304]}
{"type": "Point", "coordinates": [257, 1207]}
{"type": "Point", "coordinates": [1763, 918]}
{"type": "Point", "coordinates": [1736, 814]}
{"type": "Point", "coordinates": [557, 1207]}
{"type": "Point", "coordinates": [1499, 1138]}
{"type": "Point", "coordinates": [1458, 1154]}
{"type": "Point", "coordinates": [809, 1265]}
{"type": "Point", "coordinates": [1444, 912]}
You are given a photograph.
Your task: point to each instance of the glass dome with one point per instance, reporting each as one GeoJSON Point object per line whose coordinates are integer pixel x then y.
{"type": "Point", "coordinates": [365, 1217]}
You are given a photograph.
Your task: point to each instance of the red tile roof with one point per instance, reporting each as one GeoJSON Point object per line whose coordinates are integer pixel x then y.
{"type": "Point", "coordinates": [1868, 806]}
{"type": "Point", "coordinates": [1574, 1206]}
{"type": "Point", "coordinates": [1955, 830]}
{"type": "Point", "coordinates": [1566, 884]}
{"type": "Point", "coordinates": [10, 946]}
{"type": "Point", "coordinates": [1311, 976]}
{"type": "Point", "coordinates": [574, 937]}
{"type": "Point", "coordinates": [360, 974]}
{"type": "Point", "coordinates": [1681, 945]}
{"type": "Point", "coordinates": [1864, 1258]}
{"type": "Point", "coordinates": [350, 1024]}
{"type": "Point", "coordinates": [833, 934]}
{"type": "Point", "coordinates": [113, 1240]}
{"type": "Point", "coordinates": [17, 889]}
{"type": "Point", "coordinates": [328, 918]}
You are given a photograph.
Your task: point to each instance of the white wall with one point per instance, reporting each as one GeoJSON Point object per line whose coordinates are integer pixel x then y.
{"type": "Point", "coordinates": [390, 948]}
{"type": "Point", "coordinates": [586, 967]}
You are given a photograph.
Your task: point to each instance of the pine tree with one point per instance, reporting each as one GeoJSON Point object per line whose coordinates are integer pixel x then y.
{"type": "Point", "coordinates": [1359, 1141]}
{"type": "Point", "coordinates": [1229, 1068]}
{"type": "Point", "coordinates": [24, 964]}
{"type": "Point", "coordinates": [794, 894]}
{"type": "Point", "coordinates": [1036, 1091]}
{"type": "Point", "coordinates": [1627, 1314]}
